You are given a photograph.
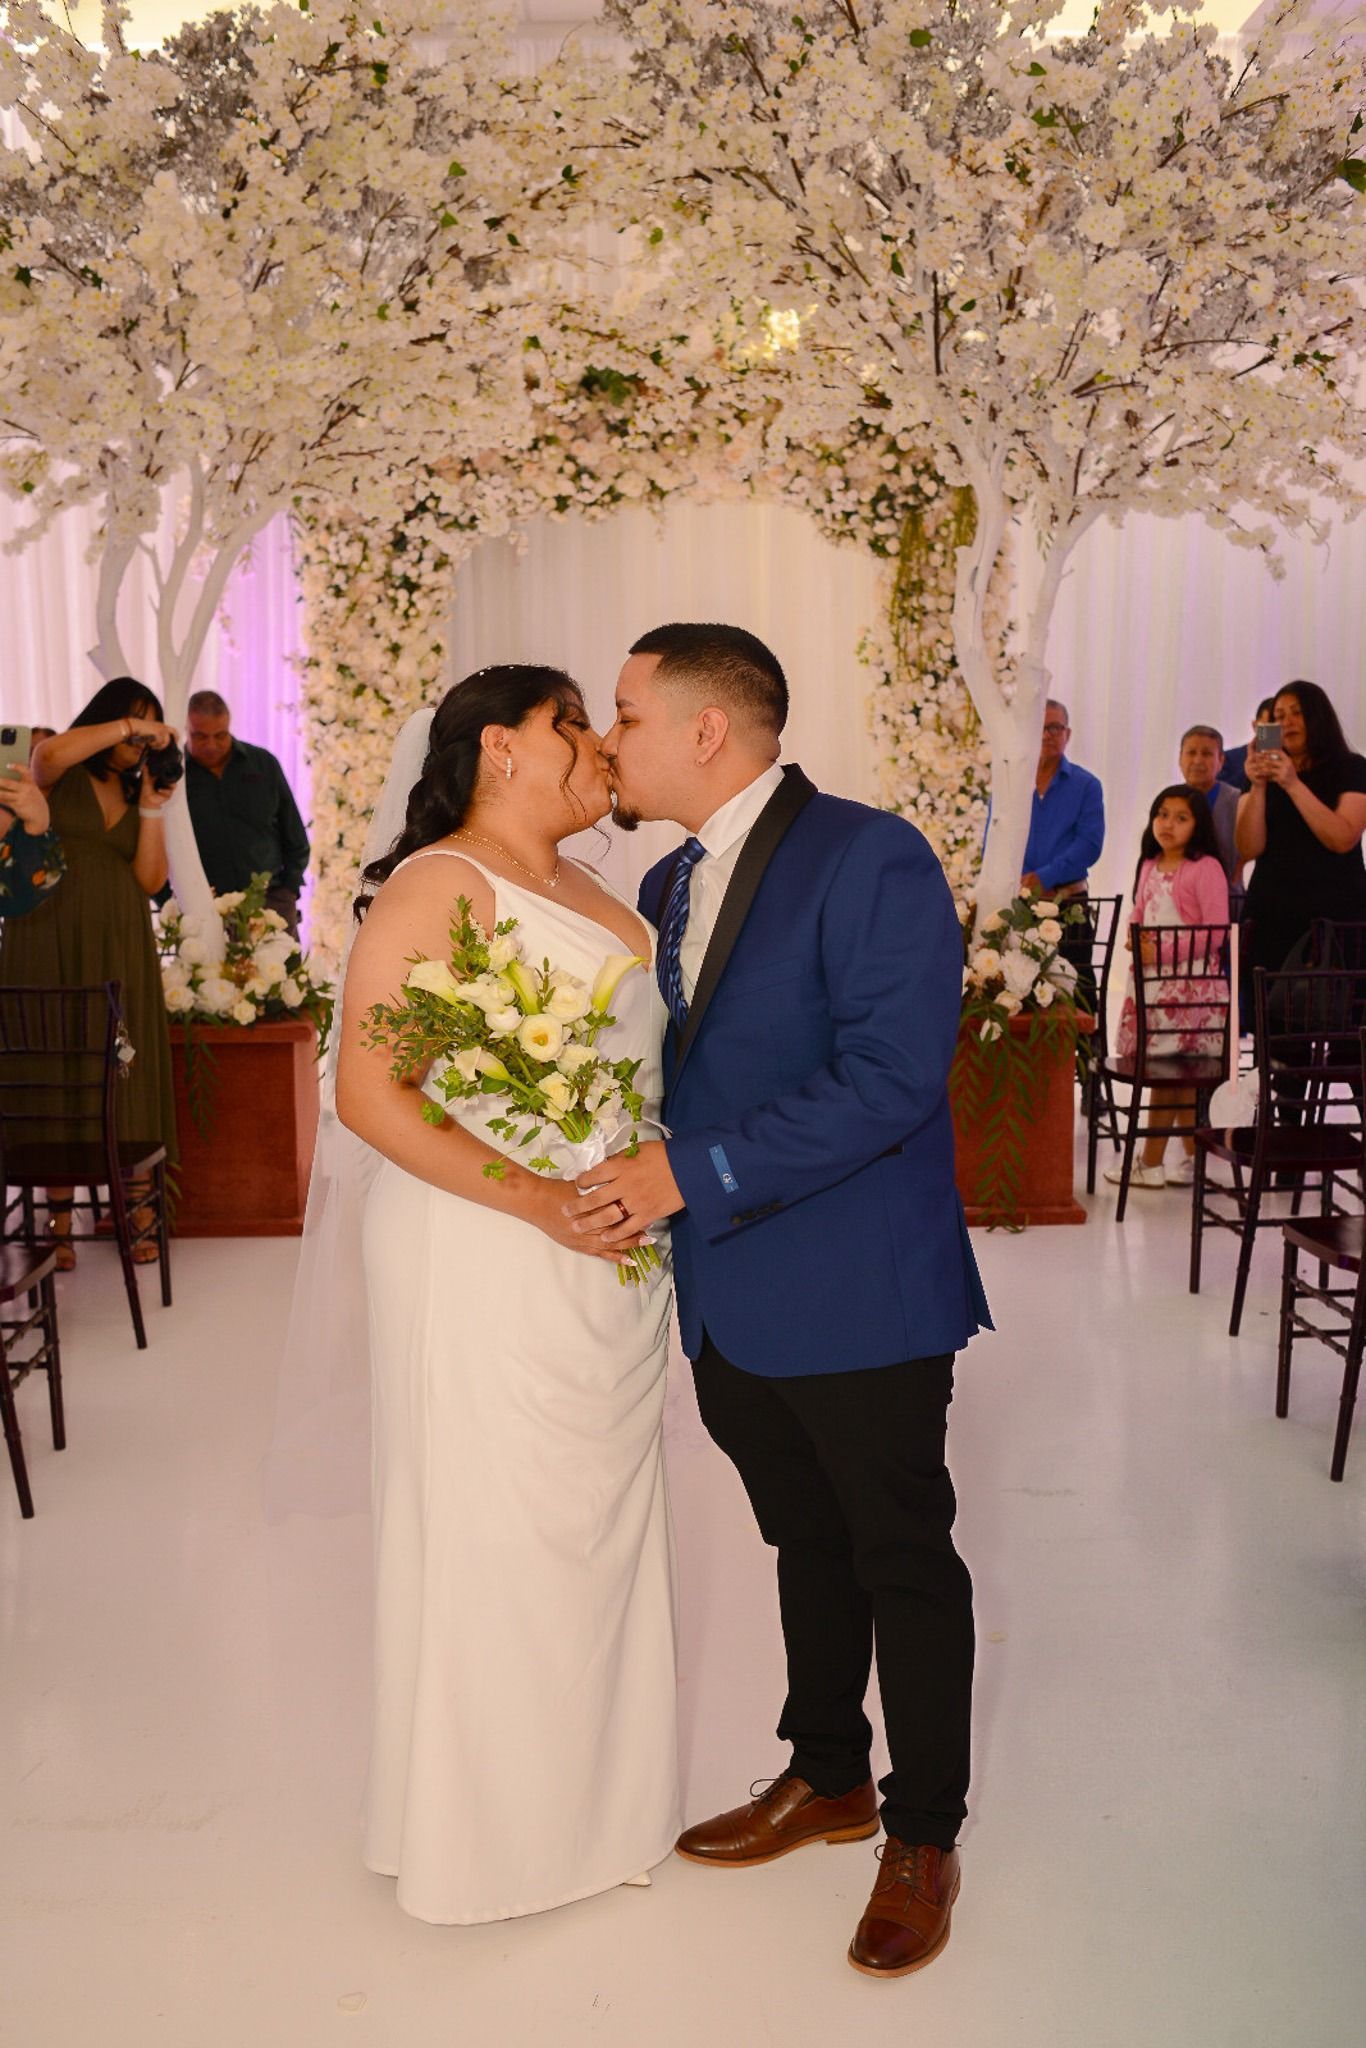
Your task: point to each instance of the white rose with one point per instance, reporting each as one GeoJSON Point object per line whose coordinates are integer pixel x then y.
{"type": "Point", "coordinates": [1045, 909]}
{"type": "Point", "coordinates": [1050, 931]}
{"type": "Point", "coordinates": [575, 1058]}
{"type": "Point", "coordinates": [194, 953]}
{"type": "Point", "coordinates": [559, 1096]}
{"type": "Point", "coordinates": [501, 952]}
{"type": "Point", "coordinates": [986, 962]}
{"type": "Point", "coordinates": [568, 1001]}
{"type": "Point", "coordinates": [179, 1000]}
{"type": "Point", "coordinates": [489, 992]}
{"type": "Point", "coordinates": [502, 1023]}
{"type": "Point", "coordinates": [291, 995]}
{"type": "Point", "coordinates": [215, 995]}
{"type": "Point", "coordinates": [992, 923]}
{"type": "Point", "coordinates": [244, 1012]}
{"type": "Point", "coordinates": [541, 1036]}
{"type": "Point", "coordinates": [174, 974]}
{"type": "Point", "coordinates": [224, 904]}
{"type": "Point", "coordinates": [1020, 973]}
{"type": "Point", "coordinates": [271, 961]}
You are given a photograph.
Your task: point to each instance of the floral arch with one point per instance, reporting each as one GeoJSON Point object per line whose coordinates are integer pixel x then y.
{"type": "Point", "coordinates": [378, 604]}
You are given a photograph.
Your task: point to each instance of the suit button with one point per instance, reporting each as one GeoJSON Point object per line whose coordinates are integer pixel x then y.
{"type": "Point", "coordinates": [737, 1221]}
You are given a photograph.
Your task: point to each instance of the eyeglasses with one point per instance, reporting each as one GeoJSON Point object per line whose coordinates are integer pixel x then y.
{"type": "Point", "coordinates": [1050, 732]}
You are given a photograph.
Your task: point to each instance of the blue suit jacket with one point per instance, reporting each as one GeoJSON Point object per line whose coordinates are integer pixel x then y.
{"type": "Point", "coordinates": [808, 1100]}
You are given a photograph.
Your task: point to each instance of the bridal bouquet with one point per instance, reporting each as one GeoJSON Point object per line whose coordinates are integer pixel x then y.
{"type": "Point", "coordinates": [484, 1022]}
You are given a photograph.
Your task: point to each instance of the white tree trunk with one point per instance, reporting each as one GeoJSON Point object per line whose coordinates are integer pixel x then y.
{"type": "Point", "coordinates": [1014, 730]}
{"type": "Point", "coordinates": [177, 660]}
{"type": "Point", "coordinates": [1013, 733]}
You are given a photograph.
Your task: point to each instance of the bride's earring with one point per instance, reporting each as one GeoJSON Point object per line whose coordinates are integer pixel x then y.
{"type": "Point", "coordinates": [509, 768]}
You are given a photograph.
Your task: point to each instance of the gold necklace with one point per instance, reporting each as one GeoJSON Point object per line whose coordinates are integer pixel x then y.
{"type": "Point", "coordinates": [546, 881]}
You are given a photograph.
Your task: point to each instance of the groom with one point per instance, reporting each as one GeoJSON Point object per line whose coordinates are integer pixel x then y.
{"type": "Point", "coordinates": [810, 958]}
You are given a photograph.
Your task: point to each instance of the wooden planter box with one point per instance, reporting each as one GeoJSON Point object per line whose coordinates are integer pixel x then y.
{"type": "Point", "coordinates": [247, 1174]}
{"type": "Point", "coordinates": [1037, 1127]}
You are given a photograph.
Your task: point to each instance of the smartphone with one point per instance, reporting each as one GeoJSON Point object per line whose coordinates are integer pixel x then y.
{"type": "Point", "coordinates": [1267, 739]}
{"type": "Point", "coordinates": [16, 744]}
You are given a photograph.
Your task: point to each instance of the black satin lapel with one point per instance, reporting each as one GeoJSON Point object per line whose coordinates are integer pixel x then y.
{"type": "Point", "coordinates": [770, 828]}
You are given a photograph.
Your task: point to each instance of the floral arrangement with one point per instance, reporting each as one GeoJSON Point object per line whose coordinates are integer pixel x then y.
{"type": "Point", "coordinates": [484, 1023]}
{"type": "Point", "coordinates": [262, 973]}
{"type": "Point", "coordinates": [1013, 964]}
{"type": "Point", "coordinates": [1012, 967]}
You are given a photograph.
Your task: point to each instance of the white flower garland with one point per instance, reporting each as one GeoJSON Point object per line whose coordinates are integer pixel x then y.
{"type": "Point", "coordinates": [376, 604]}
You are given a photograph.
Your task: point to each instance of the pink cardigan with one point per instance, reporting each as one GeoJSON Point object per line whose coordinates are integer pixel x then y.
{"type": "Point", "coordinates": [1200, 891]}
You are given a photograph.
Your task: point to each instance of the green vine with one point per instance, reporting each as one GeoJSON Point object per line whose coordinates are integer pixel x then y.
{"type": "Point", "coordinates": [993, 1089]}
{"type": "Point", "coordinates": [201, 1077]}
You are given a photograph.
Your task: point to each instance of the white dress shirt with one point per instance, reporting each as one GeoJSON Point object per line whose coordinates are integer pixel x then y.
{"type": "Point", "coordinates": [723, 835]}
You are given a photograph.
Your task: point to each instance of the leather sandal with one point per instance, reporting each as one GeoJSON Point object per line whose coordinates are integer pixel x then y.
{"type": "Point", "coordinates": [59, 1230]}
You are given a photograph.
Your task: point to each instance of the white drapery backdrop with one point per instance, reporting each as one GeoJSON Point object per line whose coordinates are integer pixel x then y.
{"type": "Point", "coordinates": [47, 605]}
{"type": "Point", "coordinates": [1161, 624]}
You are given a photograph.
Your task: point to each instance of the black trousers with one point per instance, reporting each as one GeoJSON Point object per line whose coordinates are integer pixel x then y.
{"type": "Point", "coordinates": [845, 1472]}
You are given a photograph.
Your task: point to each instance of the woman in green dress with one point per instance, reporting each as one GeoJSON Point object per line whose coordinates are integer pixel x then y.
{"type": "Point", "coordinates": [98, 925]}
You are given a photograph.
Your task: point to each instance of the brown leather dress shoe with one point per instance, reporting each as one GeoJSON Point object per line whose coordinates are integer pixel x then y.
{"type": "Point", "coordinates": [785, 1815]}
{"type": "Point", "coordinates": [908, 1917]}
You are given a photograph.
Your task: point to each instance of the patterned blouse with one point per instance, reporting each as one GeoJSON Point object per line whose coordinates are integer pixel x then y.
{"type": "Point", "coordinates": [30, 868]}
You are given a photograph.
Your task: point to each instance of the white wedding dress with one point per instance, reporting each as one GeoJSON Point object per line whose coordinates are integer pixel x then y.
{"type": "Point", "coordinates": [524, 1749]}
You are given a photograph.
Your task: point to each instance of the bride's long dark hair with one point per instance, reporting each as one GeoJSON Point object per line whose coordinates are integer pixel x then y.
{"type": "Point", "coordinates": [441, 797]}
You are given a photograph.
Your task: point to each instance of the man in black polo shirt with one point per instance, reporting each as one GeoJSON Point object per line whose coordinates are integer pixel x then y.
{"type": "Point", "coordinates": [244, 814]}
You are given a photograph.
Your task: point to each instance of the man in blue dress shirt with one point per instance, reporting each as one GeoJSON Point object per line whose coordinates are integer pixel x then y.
{"type": "Point", "coordinates": [1066, 834]}
{"type": "Point", "coordinates": [1067, 827]}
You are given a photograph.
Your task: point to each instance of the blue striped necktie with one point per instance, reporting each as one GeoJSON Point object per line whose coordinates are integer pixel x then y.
{"type": "Point", "coordinates": [672, 926]}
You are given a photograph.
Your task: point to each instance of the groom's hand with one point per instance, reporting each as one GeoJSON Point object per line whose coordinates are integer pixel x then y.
{"type": "Point", "coordinates": [619, 1200]}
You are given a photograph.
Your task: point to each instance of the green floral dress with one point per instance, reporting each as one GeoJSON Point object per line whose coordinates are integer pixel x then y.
{"type": "Point", "coordinates": [31, 865]}
{"type": "Point", "coordinates": [98, 927]}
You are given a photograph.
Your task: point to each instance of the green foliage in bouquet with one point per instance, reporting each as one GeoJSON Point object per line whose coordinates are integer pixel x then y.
{"type": "Point", "coordinates": [483, 1022]}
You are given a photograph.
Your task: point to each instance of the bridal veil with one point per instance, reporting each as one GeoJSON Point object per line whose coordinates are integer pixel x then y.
{"type": "Point", "coordinates": [319, 1457]}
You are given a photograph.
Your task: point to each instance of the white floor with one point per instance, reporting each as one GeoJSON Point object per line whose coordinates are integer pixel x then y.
{"type": "Point", "coordinates": [1167, 1842]}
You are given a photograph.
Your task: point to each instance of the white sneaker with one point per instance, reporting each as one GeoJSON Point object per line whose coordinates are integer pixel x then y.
{"type": "Point", "coordinates": [1141, 1177]}
{"type": "Point", "coordinates": [1182, 1175]}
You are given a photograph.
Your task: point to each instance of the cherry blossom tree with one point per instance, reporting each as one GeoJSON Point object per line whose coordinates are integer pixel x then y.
{"type": "Point", "coordinates": [1087, 276]}
{"type": "Point", "coordinates": [276, 263]}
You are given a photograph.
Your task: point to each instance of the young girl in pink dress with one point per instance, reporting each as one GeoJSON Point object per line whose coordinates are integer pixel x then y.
{"type": "Point", "coordinates": [1180, 882]}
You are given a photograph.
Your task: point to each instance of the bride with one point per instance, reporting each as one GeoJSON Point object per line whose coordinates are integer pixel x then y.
{"type": "Point", "coordinates": [523, 1751]}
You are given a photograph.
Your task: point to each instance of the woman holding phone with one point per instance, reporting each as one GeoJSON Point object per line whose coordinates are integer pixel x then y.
{"type": "Point", "coordinates": [1301, 821]}
{"type": "Point", "coordinates": [107, 812]}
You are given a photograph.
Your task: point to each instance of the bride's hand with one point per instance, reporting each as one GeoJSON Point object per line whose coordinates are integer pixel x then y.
{"type": "Point", "coordinates": [544, 1206]}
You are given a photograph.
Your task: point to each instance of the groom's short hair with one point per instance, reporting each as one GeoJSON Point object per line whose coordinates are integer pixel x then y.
{"type": "Point", "coordinates": [723, 665]}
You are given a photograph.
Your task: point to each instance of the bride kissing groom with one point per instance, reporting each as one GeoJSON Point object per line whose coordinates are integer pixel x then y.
{"type": "Point", "coordinates": [794, 1041]}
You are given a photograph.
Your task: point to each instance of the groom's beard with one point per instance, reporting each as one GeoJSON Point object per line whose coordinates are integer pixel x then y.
{"type": "Point", "coordinates": [623, 817]}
